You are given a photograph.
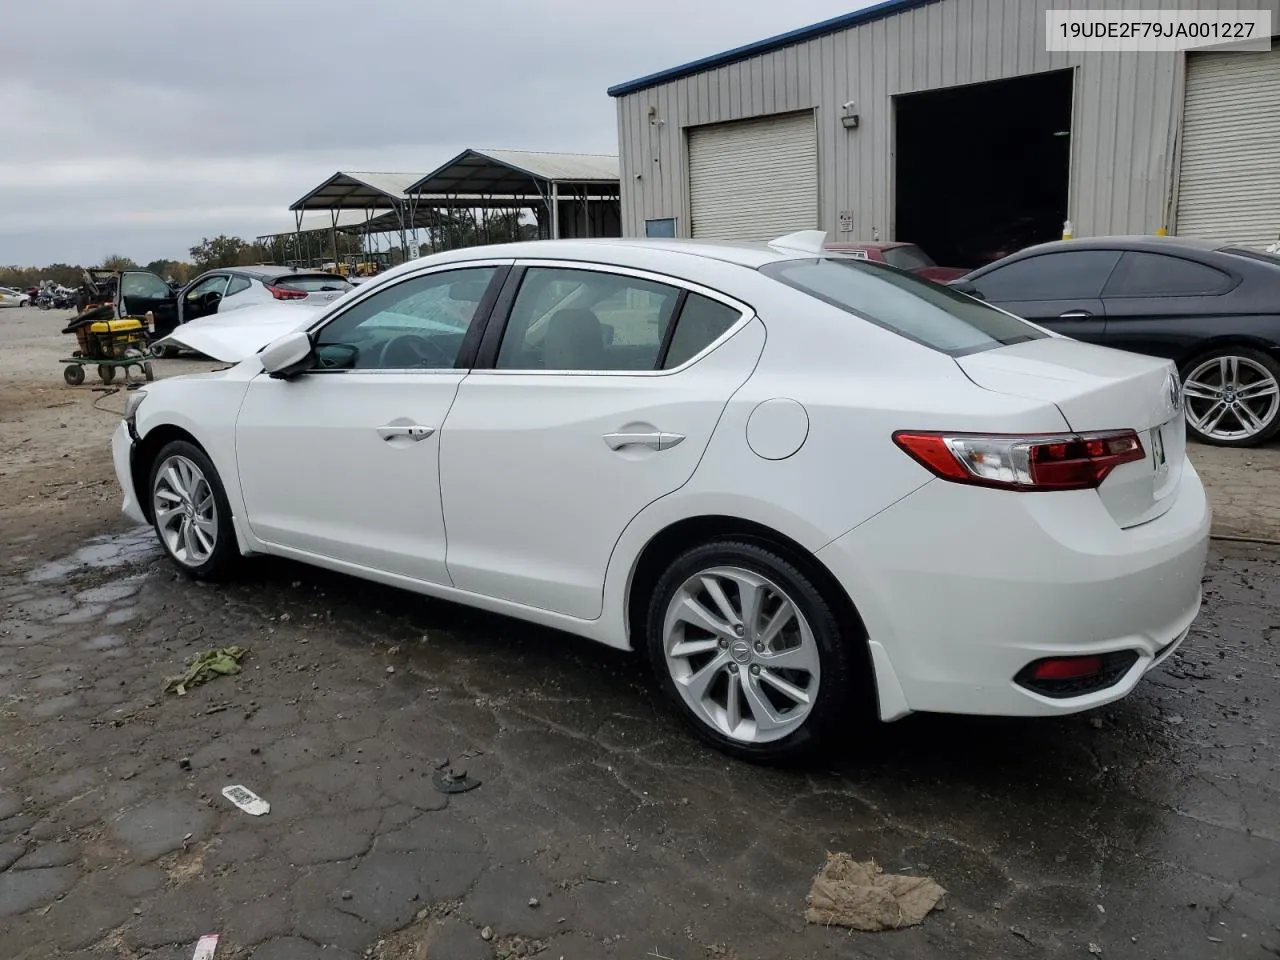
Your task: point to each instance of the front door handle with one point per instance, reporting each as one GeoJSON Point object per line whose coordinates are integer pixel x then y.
{"type": "Point", "coordinates": [655, 440]}
{"type": "Point", "coordinates": [412, 431]}
{"type": "Point", "coordinates": [1074, 315]}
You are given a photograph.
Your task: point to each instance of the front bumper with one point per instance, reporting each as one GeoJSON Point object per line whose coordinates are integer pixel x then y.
{"type": "Point", "coordinates": [961, 587]}
{"type": "Point", "coordinates": [122, 445]}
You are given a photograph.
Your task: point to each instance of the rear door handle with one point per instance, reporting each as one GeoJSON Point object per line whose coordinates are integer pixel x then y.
{"type": "Point", "coordinates": [1074, 315]}
{"type": "Point", "coordinates": [654, 441]}
{"type": "Point", "coordinates": [412, 431]}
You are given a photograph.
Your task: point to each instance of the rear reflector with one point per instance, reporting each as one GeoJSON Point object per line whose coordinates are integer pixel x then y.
{"type": "Point", "coordinates": [1024, 462]}
{"type": "Point", "coordinates": [284, 293]}
{"type": "Point", "coordinates": [1067, 668]}
{"type": "Point", "coordinates": [1064, 677]}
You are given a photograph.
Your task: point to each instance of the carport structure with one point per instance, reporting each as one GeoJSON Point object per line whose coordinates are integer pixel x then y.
{"type": "Point", "coordinates": [569, 194]}
{"type": "Point", "coordinates": [381, 196]}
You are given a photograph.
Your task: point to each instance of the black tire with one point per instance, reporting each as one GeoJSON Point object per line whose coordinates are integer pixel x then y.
{"type": "Point", "coordinates": [73, 373]}
{"type": "Point", "coordinates": [226, 552]}
{"type": "Point", "coordinates": [163, 351]}
{"type": "Point", "coordinates": [148, 371]}
{"type": "Point", "coordinates": [1264, 360]}
{"type": "Point", "coordinates": [843, 661]}
{"type": "Point", "coordinates": [106, 372]}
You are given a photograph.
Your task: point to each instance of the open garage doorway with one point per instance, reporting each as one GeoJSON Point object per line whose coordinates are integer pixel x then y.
{"type": "Point", "coordinates": [983, 170]}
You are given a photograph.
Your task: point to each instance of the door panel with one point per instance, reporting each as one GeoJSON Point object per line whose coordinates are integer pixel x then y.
{"type": "Point", "coordinates": [141, 292]}
{"type": "Point", "coordinates": [1080, 319]}
{"type": "Point", "coordinates": [1060, 290]}
{"type": "Point", "coordinates": [537, 486]}
{"type": "Point", "coordinates": [321, 471]}
{"type": "Point", "coordinates": [203, 297]}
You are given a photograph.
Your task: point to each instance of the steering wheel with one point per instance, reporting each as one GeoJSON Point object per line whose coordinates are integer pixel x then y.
{"type": "Point", "coordinates": [409, 350]}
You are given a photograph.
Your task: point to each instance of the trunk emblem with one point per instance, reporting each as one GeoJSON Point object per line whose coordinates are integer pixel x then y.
{"type": "Point", "coordinates": [1174, 386]}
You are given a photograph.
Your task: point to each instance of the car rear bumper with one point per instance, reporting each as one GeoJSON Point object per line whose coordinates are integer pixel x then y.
{"type": "Point", "coordinates": [122, 457]}
{"type": "Point", "coordinates": [961, 587]}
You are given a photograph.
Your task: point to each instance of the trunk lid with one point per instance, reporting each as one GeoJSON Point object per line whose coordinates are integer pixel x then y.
{"type": "Point", "coordinates": [1098, 389]}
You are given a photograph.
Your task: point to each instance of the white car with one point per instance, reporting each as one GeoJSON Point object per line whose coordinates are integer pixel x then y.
{"type": "Point", "coordinates": [13, 298]}
{"type": "Point", "coordinates": [806, 486]}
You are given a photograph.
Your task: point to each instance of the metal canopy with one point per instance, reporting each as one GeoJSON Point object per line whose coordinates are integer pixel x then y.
{"type": "Point", "coordinates": [518, 173]}
{"type": "Point", "coordinates": [359, 190]}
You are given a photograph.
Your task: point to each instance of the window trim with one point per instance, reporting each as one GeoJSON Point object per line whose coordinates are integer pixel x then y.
{"type": "Point", "coordinates": [1230, 280]}
{"type": "Point", "coordinates": [1055, 253]}
{"type": "Point", "coordinates": [486, 360]}
{"type": "Point", "coordinates": [467, 353]}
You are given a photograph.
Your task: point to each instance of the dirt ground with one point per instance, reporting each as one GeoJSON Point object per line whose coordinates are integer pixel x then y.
{"type": "Point", "coordinates": [600, 829]}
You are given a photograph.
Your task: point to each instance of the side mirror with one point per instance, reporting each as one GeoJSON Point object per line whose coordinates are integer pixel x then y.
{"type": "Point", "coordinates": [966, 287]}
{"type": "Point", "coordinates": [287, 356]}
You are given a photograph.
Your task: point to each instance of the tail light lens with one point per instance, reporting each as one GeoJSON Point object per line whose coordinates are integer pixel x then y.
{"type": "Point", "coordinates": [1035, 462]}
{"type": "Point", "coordinates": [284, 293]}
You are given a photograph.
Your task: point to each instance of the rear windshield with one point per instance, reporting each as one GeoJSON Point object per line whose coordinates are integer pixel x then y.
{"type": "Point", "coordinates": [313, 283]}
{"type": "Point", "coordinates": [1271, 258]}
{"type": "Point", "coordinates": [925, 312]}
{"type": "Point", "coordinates": [909, 257]}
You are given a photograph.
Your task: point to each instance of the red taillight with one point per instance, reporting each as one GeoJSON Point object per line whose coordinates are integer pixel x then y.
{"type": "Point", "coordinates": [284, 293]}
{"type": "Point", "coordinates": [1027, 462]}
{"type": "Point", "coordinates": [1067, 668]}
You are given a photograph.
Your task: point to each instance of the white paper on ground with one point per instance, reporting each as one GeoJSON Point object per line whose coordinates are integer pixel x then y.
{"type": "Point", "coordinates": [205, 947]}
{"type": "Point", "coordinates": [246, 800]}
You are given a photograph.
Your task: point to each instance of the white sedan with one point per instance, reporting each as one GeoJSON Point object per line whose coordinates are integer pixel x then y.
{"type": "Point", "coordinates": [805, 486]}
{"type": "Point", "coordinates": [13, 298]}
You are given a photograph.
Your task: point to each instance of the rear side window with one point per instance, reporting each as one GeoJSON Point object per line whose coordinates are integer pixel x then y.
{"type": "Point", "coordinates": [702, 321]}
{"type": "Point", "coordinates": [1069, 275]}
{"type": "Point", "coordinates": [238, 284]}
{"type": "Point", "coordinates": [1155, 275]}
{"type": "Point", "coordinates": [916, 309]}
{"type": "Point", "coordinates": [314, 283]}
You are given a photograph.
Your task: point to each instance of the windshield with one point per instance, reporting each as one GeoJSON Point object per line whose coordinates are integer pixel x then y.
{"type": "Point", "coordinates": [925, 312]}
{"type": "Point", "coordinates": [314, 283]}
{"type": "Point", "coordinates": [907, 257]}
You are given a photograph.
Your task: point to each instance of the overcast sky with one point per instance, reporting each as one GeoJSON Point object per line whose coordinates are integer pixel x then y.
{"type": "Point", "coordinates": [139, 126]}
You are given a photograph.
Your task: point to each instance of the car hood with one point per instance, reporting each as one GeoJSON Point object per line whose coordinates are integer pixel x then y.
{"type": "Point", "coordinates": [241, 333]}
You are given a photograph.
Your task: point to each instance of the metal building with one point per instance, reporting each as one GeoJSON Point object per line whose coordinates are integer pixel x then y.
{"type": "Point", "coordinates": [947, 122]}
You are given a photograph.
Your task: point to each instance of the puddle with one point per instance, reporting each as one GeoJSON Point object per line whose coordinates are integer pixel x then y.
{"type": "Point", "coordinates": [107, 641]}
{"type": "Point", "coordinates": [83, 615]}
{"type": "Point", "coordinates": [101, 553]}
{"type": "Point", "coordinates": [117, 617]}
{"type": "Point", "coordinates": [111, 592]}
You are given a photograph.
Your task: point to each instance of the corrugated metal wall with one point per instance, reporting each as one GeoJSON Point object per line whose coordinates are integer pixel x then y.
{"type": "Point", "coordinates": [1124, 125]}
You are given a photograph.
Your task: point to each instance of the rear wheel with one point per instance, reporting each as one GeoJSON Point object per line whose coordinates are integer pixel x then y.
{"type": "Point", "coordinates": [106, 372]}
{"type": "Point", "coordinates": [190, 512]}
{"type": "Point", "coordinates": [750, 651]}
{"type": "Point", "coordinates": [1232, 397]}
{"type": "Point", "coordinates": [73, 373]}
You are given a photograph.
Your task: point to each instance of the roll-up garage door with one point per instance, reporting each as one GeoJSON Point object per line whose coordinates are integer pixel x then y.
{"type": "Point", "coordinates": [1229, 183]}
{"type": "Point", "coordinates": [754, 179]}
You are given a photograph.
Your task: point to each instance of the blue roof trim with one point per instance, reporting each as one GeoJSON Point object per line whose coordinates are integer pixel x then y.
{"type": "Point", "coordinates": [878, 11]}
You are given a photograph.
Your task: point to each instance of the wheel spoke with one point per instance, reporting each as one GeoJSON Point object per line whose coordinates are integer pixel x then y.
{"type": "Point", "coordinates": [1258, 390]}
{"type": "Point", "coordinates": [762, 711]}
{"type": "Point", "coordinates": [733, 703]}
{"type": "Point", "coordinates": [783, 687]}
{"type": "Point", "coordinates": [164, 493]}
{"type": "Point", "coordinates": [693, 612]}
{"type": "Point", "coordinates": [189, 540]}
{"type": "Point", "coordinates": [781, 617]}
{"type": "Point", "coordinates": [206, 504]}
{"type": "Point", "coordinates": [721, 600]}
{"type": "Point", "coordinates": [1248, 419]}
{"type": "Point", "coordinates": [752, 594]}
{"type": "Point", "coordinates": [1200, 391]}
{"type": "Point", "coordinates": [1229, 369]}
{"type": "Point", "coordinates": [691, 648]}
{"type": "Point", "coordinates": [203, 538]}
{"type": "Point", "coordinates": [174, 479]}
{"type": "Point", "coordinates": [1214, 413]}
{"type": "Point", "coordinates": [795, 658]}
{"type": "Point", "coordinates": [165, 515]}
{"type": "Point", "coordinates": [698, 683]}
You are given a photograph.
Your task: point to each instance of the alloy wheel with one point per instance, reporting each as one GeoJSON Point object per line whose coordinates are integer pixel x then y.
{"type": "Point", "coordinates": [1231, 398]}
{"type": "Point", "coordinates": [741, 653]}
{"type": "Point", "coordinates": [185, 510]}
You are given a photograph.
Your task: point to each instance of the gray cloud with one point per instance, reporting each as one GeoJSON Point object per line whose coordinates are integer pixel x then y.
{"type": "Point", "coordinates": [141, 125]}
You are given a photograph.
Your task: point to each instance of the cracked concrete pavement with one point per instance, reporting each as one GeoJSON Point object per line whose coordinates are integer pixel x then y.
{"type": "Point", "coordinates": [1151, 829]}
{"type": "Point", "coordinates": [1148, 830]}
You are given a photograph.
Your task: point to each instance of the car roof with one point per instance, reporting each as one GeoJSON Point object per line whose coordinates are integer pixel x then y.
{"type": "Point", "coordinates": [868, 245]}
{"type": "Point", "coordinates": [1146, 244]}
{"type": "Point", "coordinates": [268, 271]}
{"type": "Point", "coordinates": [752, 255]}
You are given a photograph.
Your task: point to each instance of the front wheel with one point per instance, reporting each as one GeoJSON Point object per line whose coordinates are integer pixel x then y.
{"type": "Point", "coordinates": [190, 512]}
{"type": "Point", "coordinates": [751, 651]}
{"type": "Point", "coordinates": [1232, 397]}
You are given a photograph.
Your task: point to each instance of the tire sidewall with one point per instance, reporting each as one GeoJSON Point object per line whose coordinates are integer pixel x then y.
{"type": "Point", "coordinates": [1257, 356]}
{"type": "Point", "coordinates": [226, 551]}
{"type": "Point", "coordinates": [837, 658]}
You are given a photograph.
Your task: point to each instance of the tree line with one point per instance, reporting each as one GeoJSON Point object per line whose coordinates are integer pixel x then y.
{"type": "Point", "coordinates": [448, 231]}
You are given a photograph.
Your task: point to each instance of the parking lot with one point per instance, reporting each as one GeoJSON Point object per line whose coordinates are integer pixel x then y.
{"type": "Point", "coordinates": [600, 827]}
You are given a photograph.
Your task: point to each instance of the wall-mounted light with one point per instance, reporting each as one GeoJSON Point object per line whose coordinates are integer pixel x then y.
{"type": "Point", "coordinates": [850, 119]}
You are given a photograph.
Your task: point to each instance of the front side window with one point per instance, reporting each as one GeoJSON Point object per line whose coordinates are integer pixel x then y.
{"type": "Point", "coordinates": [418, 324]}
{"type": "Point", "coordinates": [144, 285]}
{"type": "Point", "coordinates": [215, 284]}
{"type": "Point", "coordinates": [1069, 275]}
{"type": "Point", "coordinates": [925, 312]}
{"type": "Point", "coordinates": [1156, 275]}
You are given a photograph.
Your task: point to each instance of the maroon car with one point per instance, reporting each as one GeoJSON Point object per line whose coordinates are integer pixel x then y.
{"type": "Point", "coordinates": [904, 256]}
